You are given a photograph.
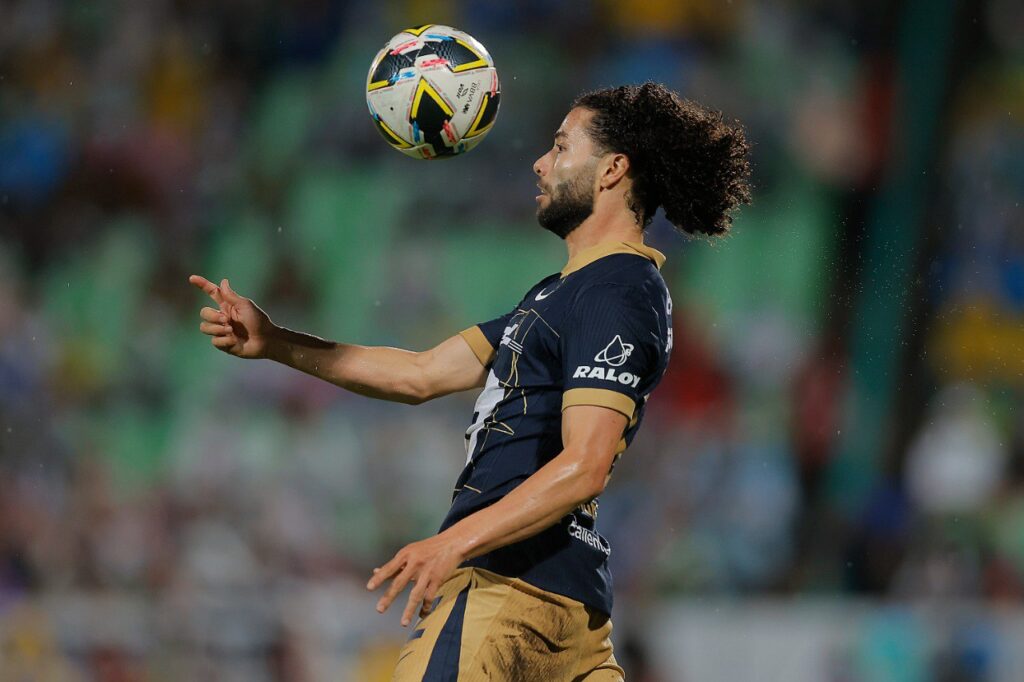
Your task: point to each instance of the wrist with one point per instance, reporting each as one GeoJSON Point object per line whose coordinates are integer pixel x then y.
{"type": "Point", "coordinates": [276, 345]}
{"type": "Point", "coordinates": [463, 540]}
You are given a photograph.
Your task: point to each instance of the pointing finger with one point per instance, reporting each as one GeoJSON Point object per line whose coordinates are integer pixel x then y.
{"type": "Point", "coordinates": [207, 286]}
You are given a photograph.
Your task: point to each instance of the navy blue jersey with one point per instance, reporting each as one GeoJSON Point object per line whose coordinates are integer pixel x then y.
{"type": "Point", "coordinates": [597, 333]}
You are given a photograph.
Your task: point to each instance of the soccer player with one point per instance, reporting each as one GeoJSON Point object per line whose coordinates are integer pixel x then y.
{"type": "Point", "coordinates": [515, 586]}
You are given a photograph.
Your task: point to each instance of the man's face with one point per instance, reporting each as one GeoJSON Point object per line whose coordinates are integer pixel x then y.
{"type": "Point", "coordinates": [566, 176]}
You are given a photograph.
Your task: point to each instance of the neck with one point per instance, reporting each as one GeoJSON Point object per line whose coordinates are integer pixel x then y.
{"type": "Point", "coordinates": [598, 229]}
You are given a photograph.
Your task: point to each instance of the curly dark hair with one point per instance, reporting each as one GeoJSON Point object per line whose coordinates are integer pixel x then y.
{"type": "Point", "coordinates": [683, 157]}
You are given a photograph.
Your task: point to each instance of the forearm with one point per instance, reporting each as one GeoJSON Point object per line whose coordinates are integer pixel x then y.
{"type": "Point", "coordinates": [536, 504]}
{"type": "Point", "coordinates": [375, 372]}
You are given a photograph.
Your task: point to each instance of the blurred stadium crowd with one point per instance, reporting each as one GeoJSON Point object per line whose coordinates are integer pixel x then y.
{"type": "Point", "coordinates": [170, 513]}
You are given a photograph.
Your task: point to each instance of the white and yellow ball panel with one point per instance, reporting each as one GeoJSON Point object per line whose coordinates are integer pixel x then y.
{"type": "Point", "coordinates": [433, 92]}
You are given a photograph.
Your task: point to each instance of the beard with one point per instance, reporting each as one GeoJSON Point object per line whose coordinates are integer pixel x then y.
{"type": "Point", "coordinates": [569, 204]}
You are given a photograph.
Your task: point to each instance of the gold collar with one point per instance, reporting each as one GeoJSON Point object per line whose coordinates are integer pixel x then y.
{"type": "Point", "coordinates": [588, 256]}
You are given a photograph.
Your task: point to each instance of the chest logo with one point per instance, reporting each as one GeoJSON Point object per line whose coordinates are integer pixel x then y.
{"type": "Point", "coordinates": [615, 353]}
{"type": "Point", "coordinates": [541, 295]}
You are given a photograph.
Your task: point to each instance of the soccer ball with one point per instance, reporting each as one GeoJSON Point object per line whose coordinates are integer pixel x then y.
{"type": "Point", "coordinates": [433, 92]}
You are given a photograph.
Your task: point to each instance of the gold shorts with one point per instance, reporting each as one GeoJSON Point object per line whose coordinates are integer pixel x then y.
{"type": "Point", "coordinates": [486, 627]}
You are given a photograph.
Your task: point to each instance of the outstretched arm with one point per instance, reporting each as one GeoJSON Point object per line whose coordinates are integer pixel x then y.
{"type": "Point", "coordinates": [381, 372]}
{"type": "Point", "coordinates": [239, 327]}
{"type": "Point", "coordinates": [590, 437]}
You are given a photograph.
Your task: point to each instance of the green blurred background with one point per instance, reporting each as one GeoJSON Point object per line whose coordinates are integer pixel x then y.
{"type": "Point", "coordinates": [829, 484]}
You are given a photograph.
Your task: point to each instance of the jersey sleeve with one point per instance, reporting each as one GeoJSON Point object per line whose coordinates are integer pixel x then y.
{"type": "Point", "coordinates": [610, 348]}
{"type": "Point", "coordinates": [484, 338]}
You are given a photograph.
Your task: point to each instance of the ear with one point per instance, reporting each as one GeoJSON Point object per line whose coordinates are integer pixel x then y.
{"type": "Point", "coordinates": [614, 167]}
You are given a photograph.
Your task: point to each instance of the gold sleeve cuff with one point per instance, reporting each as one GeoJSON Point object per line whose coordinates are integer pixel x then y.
{"type": "Point", "coordinates": [479, 344]}
{"type": "Point", "coordinates": [601, 397]}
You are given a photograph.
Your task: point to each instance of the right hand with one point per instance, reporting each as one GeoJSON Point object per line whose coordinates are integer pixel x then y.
{"type": "Point", "coordinates": [237, 325]}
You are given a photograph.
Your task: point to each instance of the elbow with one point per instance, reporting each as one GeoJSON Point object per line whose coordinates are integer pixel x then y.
{"type": "Point", "coordinates": [418, 389]}
{"type": "Point", "coordinates": [582, 474]}
{"type": "Point", "coordinates": [595, 485]}
{"type": "Point", "coordinates": [413, 391]}
{"type": "Point", "coordinates": [416, 397]}
{"type": "Point", "coordinates": [591, 482]}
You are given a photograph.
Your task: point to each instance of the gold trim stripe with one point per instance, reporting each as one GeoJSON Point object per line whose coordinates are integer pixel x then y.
{"type": "Point", "coordinates": [478, 343]}
{"type": "Point", "coordinates": [601, 397]}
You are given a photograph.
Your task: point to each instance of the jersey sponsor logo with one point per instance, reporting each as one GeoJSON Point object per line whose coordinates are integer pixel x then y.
{"type": "Point", "coordinates": [615, 353]}
{"type": "Point", "coordinates": [589, 537]}
{"type": "Point", "coordinates": [588, 372]}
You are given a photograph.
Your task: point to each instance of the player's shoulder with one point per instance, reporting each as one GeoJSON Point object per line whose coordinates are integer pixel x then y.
{"type": "Point", "coordinates": [623, 267]}
{"type": "Point", "coordinates": [621, 276]}
{"type": "Point", "coordinates": [540, 289]}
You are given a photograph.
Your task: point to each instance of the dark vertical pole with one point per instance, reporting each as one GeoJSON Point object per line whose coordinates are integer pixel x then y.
{"type": "Point", "coordinates": [894, 229]}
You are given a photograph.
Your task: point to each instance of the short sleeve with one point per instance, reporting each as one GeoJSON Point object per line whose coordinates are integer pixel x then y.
{"type": "Point", "coordinates": [484, 338]}
{"type": "Point", "coordinates": [610, 348]}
